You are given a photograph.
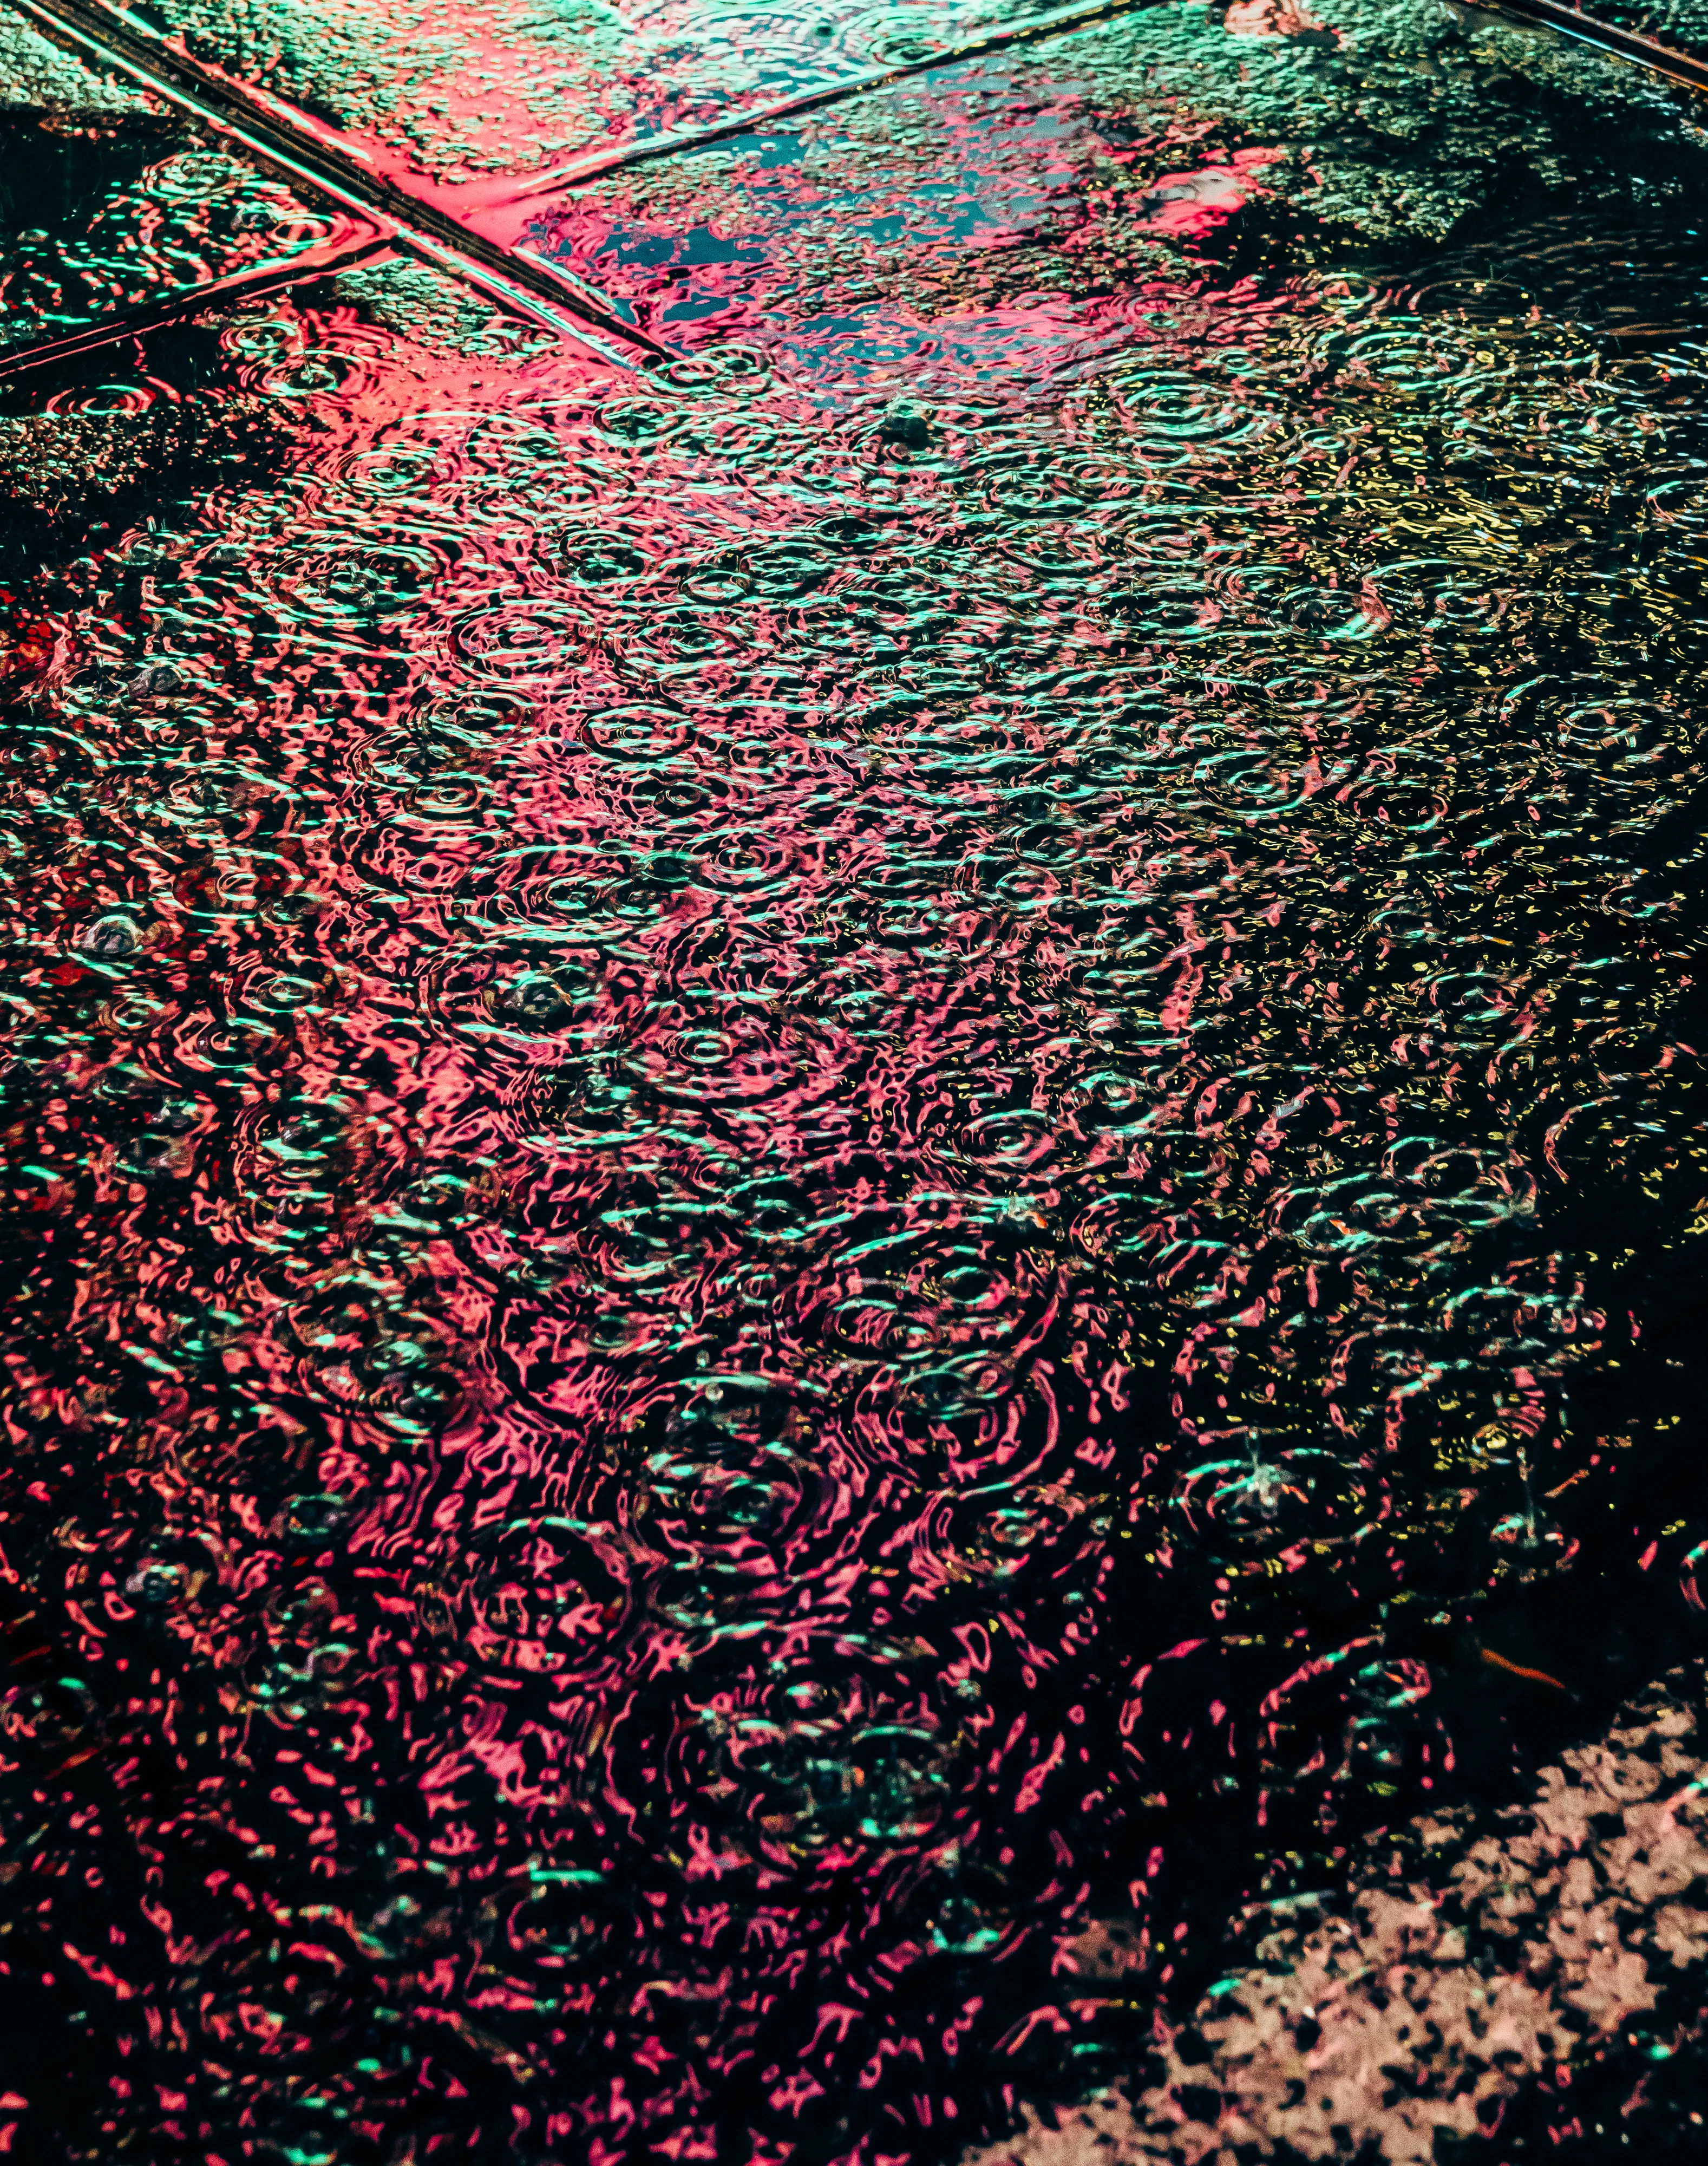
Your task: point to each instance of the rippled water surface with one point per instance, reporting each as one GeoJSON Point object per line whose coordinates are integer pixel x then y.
{"type": "Point", "coordinates": [841, 1180]}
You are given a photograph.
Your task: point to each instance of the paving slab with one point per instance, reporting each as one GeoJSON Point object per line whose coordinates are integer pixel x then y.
{"type": "Point", "coordinates": [854, 1184]}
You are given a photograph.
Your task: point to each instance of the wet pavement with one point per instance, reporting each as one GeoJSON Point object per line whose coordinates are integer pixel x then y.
{"type": "Point", "coordinates": [1485, 1988]}
{"type": "Point", "coordinates": [851, 1181]}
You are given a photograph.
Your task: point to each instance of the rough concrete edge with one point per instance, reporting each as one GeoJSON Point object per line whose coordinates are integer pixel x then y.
{"type": "Point", "coordinates": [35, 75]}
{"type": "Point", "coordinates": [1481, 1959]}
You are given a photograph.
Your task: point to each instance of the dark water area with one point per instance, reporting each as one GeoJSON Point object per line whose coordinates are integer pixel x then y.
{"type": "Point", "coordinates": [844, 1180]}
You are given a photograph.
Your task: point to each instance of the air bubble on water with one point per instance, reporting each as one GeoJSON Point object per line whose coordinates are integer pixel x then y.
{"type": "Point", "coordinates": [113, 937]}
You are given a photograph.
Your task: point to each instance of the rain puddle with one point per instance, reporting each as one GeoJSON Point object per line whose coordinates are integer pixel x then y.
{"type": "Point", "coordinates": [853, 1147]}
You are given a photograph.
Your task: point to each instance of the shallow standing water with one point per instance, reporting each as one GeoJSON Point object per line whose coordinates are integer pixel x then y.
{"type": "Point", "coordinates": [828, 1170]}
